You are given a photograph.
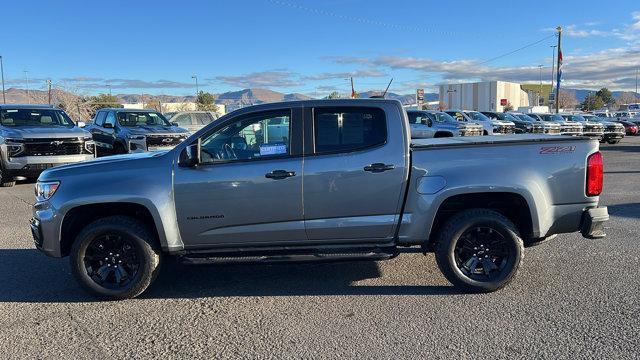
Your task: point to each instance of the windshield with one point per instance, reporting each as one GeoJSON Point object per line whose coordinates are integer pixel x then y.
{"type": "Point", "coordinates": [552, 117]}
{"type": "Point", "coordinates": [35, 117]}
{"type": "Point", "coordinates": [142, 119]}
{"type": "Point", "coordinates": [592, 118]}
{"type": "Point", "coordinates": [441, 117]}
{"type": "Point", "coordinates": [575, 118]}
{"type": "Point", "coordinates": [478, 116]}
{"type": "Point", "coordinates": [525, 117]}
{"type": "Point", "coordinates": [509, 117]}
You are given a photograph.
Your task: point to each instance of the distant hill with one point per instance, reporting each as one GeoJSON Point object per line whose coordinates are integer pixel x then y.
{"type": "Point", "coordinates": [257, 96]}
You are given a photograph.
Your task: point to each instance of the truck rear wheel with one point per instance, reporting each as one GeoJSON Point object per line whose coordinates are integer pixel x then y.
{"type": "Point", "coordinates": [115, 258]}
{"type": "Point", "coordinates": [479, 250]}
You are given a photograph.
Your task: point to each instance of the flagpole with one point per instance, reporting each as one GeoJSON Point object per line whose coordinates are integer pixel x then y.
{"type": "Point", "coordinates": [558, 77]}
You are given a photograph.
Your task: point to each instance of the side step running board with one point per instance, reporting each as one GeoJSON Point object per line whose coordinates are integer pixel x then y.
{"type": "Point", "coordinates": [202, 259]}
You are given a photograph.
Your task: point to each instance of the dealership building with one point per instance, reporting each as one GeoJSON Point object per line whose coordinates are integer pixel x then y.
{"type": "Point", "coordinates": [483, 96]}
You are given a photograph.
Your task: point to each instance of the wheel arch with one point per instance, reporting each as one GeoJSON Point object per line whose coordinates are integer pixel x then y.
{"type": "Point", "coordinates": [79, 216]}
{"type": "Point", "coordinates": [518, 208]}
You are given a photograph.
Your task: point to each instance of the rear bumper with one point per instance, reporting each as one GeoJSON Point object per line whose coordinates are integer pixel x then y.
{"type": "Point", "coordinates": [593, 219]}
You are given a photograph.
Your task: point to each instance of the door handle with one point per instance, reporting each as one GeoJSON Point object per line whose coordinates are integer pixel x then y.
{"type": "Point", "coordinates": [379, 167]}
{"type": "Point", "coordinates": [279, 174]}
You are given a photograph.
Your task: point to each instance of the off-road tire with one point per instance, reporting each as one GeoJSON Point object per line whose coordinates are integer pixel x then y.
{"type": "Point", "coordinates": [452, 231]}
{"type": "Point", "coordinates": [146, 248]}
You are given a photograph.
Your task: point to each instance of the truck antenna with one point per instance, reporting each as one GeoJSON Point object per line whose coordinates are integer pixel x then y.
{"type": "Point", "coordinates": [387, 89]}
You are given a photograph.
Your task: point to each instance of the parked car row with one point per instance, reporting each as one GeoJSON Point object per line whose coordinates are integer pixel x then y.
{"type": "Point", "coordinates": [432, 123]}
{"type": "Point", "coordinates": [37, 137]}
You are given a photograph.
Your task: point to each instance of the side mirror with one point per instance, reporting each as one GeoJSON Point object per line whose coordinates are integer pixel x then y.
{"type": "Point", "coordinates": [190, 155]}
{"type": "Point", "coordinates": [107, 125]}
{"type": "Point", "coordinates": [429, 122]}
{"type": "Point", "coordinates": [81, 124]}
{"type": "Point", "coordinates": [175, 124]}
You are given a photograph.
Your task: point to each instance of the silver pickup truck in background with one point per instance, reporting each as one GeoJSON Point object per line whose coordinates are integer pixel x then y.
{"type": "Point", "coordinates": [348, 183]}
{"type": "Point", "coordinates": [36, 137]}
{"type": "Point", "coordinates": [426, 124]}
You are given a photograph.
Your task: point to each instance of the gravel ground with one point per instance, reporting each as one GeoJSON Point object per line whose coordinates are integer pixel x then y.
{"type": "Point", "coordinates": [573, 298]}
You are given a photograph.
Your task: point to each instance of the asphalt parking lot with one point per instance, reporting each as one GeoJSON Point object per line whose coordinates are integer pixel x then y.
{"type": "Point", "coordinates": [573, 298]}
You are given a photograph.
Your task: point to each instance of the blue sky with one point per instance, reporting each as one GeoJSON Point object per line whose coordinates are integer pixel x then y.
{"type": "Point", "coordinates": [313, 46]}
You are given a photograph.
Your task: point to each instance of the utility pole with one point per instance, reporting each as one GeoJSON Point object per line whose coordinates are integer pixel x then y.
{"type": "Point", "coordinates": [540, 67]}
{"type": "Point", "coordinates": [553, 64]}
{"type": "Point", "coordinates": [636, 81]}
{"type": "Point", "coordinates": [4, 98]}
{"type": "Point", "coordinates": [26, 81]}
{"type": "Point", "coordinates": [559, 64]}
{"type": "Point", "coordinates": [49, 90]}
{"type": "Point", "coordinates": [194, 76]}
{"type": "Point", "coordinates": [109, 86]}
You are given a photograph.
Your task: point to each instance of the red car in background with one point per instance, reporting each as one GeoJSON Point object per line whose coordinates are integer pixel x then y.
{"type": "Point", "coordinates": [629, 127]}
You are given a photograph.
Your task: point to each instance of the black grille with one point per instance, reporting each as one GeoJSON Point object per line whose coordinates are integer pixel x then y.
{"type": "Point", "coordinates": [592, 128]}
{"type": "Point", "coordinates": [50, 147]}
{"type": "Point", "coordinates": [503, 129]}
{"type": "Point", "coordinates": [164, 140]}
{"type": "Point", "coordinates": [537, 129]}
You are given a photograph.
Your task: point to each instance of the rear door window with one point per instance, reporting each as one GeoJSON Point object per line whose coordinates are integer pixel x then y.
{"type": "Point", "coordinates": [345, 129]}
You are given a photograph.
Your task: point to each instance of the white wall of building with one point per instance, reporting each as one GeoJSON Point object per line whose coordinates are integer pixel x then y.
{"type": "Point", "coordinates": [482, 96]}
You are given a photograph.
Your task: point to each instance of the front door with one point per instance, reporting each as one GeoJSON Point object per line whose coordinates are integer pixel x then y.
{"type": "Point", "coordinates": [355, 175]}
{"type": "Point", "coordinates": [248, 189]}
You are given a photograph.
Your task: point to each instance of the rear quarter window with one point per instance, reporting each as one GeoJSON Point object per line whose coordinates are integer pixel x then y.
{"type": "Point", "coordinates": [344, 129]}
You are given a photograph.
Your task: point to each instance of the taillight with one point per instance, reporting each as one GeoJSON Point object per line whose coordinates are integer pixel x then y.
{"type": "Point", "coordinates": [595, 170]}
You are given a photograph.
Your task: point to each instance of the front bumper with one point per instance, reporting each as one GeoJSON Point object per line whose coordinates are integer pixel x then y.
{"type": "Point", "coordinates": [32, 166]}
{"type": "Point", "coordinates": [45, 228]}
{"type": "Point", "coordinates": [593, 219]}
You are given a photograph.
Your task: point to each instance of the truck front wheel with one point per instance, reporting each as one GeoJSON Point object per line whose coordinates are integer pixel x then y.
{"type": "Point", "coordinates": [115, 258]}
{"type": "Point", "coordinates": [479, 250]}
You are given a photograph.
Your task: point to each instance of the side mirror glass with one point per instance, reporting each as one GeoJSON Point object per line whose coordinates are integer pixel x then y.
{"type": "Point", "coordinates": [190, 155]}
{"type": "Point", "coordinates": [81, 124]}
{"type": "Point", "coordinates": [107, 125]}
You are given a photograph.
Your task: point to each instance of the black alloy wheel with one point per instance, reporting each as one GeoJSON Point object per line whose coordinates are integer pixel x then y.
{"type": "Point", "coordinates": [482, 253]}
{"type": "Point", "coordinates": [112, 261]}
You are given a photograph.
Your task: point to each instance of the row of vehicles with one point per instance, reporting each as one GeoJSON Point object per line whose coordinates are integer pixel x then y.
{"type": "Point", "coordinates": [37, 137]}
{"type": "Point", "coordinates": [449, 123]}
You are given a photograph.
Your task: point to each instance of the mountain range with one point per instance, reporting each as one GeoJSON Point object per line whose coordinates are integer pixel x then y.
{"type": "Point", "coordinates": [242, 97]}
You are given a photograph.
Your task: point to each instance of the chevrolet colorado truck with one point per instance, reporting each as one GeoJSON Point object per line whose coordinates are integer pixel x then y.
{"type": "Point", "coordinates": [37, 137]}
{"type": "Point", "coordinates": [347, 183]}
{"type": "Point", "coordinates": [122, 131]}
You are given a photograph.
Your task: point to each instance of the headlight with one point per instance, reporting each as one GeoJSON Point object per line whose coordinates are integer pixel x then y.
{"type": "Point", "coordinates": [90, 146]}
{"type": "Point", "coordinates": [45, 190]}
{"type": "Point", "coordinates": [14, 146]}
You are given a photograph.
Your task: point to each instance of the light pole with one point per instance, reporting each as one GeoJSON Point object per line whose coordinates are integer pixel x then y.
{"type": "Point", "coordinates": [109, 86]}
{"type": "Point", "coordinates": [4, 98]}
{"type": "Point", "coordinates": [26, 81]}
{"type": "Point", "coordinates": [195, 77]}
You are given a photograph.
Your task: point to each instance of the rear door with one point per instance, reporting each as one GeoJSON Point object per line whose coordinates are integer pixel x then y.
{"type": "Point", "coordinates": [354, 173]}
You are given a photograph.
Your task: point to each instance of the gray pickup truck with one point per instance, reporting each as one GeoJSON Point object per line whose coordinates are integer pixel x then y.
{"type": "Point", "coordinates": [37, 137]}
{"type": "Point", "coordinates": [346, 184]}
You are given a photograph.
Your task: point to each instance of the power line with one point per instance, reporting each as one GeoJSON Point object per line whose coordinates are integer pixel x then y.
{"type": "Point", "coordinates": [359, 19]}
{"type": "Point", "coordinates": [516, 50]}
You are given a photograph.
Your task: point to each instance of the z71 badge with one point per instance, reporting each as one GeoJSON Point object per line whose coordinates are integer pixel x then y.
{"type": "Point", "coordinates": [557, 149]}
